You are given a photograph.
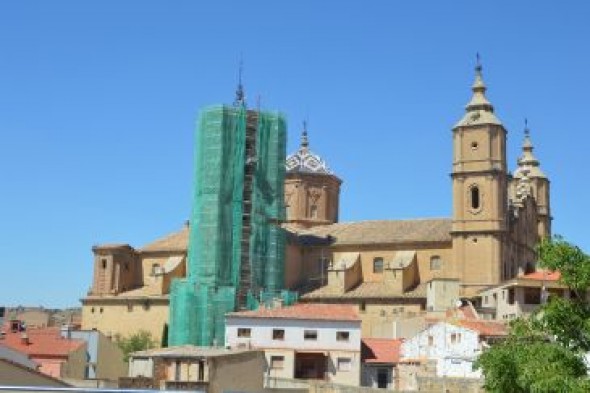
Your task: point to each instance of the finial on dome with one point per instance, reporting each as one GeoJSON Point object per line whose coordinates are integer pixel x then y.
{"type": "Point", "coordinates": [304, 140]}
{"type": "Point", "coordinates": [240, 96]}
{"type": "Point", "coordinates": [478, 84]}
{"type": "Point", "coordinates": [527, 145]}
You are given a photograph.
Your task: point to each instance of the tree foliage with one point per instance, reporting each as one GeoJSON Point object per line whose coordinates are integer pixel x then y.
{"type": "Point", "coordinates": [545, 353]}
{"type": "Point", "coordinates": [139, 341]}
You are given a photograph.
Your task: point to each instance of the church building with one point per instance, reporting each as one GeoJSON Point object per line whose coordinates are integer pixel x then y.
{"type": "Point", "coordinates": [389, 269]}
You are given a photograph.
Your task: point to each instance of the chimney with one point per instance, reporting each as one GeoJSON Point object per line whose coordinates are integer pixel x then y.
{"type": "Point", "coordinates": [24, 339]}
{"type": "Point", "coordinates": [66, 331]}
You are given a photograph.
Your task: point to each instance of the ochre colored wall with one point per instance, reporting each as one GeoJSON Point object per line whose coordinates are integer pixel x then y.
{"type": "Point", "coordinates": [117, 319]}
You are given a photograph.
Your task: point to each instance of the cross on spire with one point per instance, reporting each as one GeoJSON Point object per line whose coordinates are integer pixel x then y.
{"type": "Point", "coordinates": [304, 140]}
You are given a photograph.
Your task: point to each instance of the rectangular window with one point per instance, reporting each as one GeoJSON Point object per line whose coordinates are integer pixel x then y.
{"type": "Point", "coordinates": [435, 262]}
{"type": "Point", "coordinates": [277, 362]}
{"type": "Point", "coordinates": [430, 341]}
{"type": "Point", "coordinates": [453, 338]}
{"type": "Point", "coordinates": [244, 332]}
{"type": "Point", "coordinates": [344, 364]}
{"type": "Point", "coordinates": [378, 265]}
{"type": "Point", "coordinates": [342, 336]}
{"type": "Point", "coordinates": [310, 334]}
{"type": "Point", "coordinates": [278, 334]}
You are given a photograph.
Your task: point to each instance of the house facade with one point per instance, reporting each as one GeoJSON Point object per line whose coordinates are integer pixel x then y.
{"type": "Point", "coordinates": [188, 367]}
{"type": "Point", "coordinates": [303, 341]}
{"type": "Point", "coordinates": [521, 296]}
{"type": "Point", "coordinates": [452, 347]}
{"type": "Point", "coordinates": [380, 358]}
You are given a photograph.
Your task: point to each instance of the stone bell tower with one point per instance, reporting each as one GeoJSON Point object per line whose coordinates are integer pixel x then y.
{"type": "Point", "coordinates": [312, 191]}
{"type": "Point", "coordinates": [529, 166]}
{"type": "Point", "coordinates": [480, 184]}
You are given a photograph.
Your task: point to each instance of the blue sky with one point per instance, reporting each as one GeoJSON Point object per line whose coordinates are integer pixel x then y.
{"type": "Point", "coordinates": [98, 102]}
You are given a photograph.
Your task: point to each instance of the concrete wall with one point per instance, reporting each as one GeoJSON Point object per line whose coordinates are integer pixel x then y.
{"type": "Point", "coordinates": [12, 374]}
{"type": "Point", "coordinates": [141, 367]}
{"type": "Point", "coordinates": [239, 372]}
{"type": "Point", "coordinates": [442, 294]}
{"type": "Point", "coordinates": [110, 363]}
{"type": "Point", "coordinates": [75, 367]}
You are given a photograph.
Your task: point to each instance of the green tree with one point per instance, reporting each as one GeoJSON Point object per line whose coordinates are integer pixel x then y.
{"type": "Point", "coordinates": [544, 353]}
{"type": "Point", "coordinates": [139, 341]}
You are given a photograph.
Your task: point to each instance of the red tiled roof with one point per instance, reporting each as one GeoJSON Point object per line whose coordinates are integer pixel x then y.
{"type": "Point", "coordinates": [543, 275]}
{"type": "Point", "coordinates": [381, 350]}
{"type": "Point", "coordinates": [463, 312]}
{"type": "Point", "coordinates": [485, 328]}
{"type": "Point", "coordinates": [43, 342]}
{"type": "Point", "coordinates": [313, 311]}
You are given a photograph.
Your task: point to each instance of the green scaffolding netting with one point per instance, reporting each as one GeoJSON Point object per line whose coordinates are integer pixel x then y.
{"type": "Point", "coordinates": [236, 246]}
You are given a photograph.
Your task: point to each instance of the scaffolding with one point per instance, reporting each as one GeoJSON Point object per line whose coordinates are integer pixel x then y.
{"type": "Point", "coordinates": [236, 246]}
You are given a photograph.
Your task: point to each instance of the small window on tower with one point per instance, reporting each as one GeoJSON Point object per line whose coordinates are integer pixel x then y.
{"type": "Point", "coordinates": [378, 265]}
{"type": "Point", "coordinates": [475, 203]}
{"type": "Point", "coordinates": [104, 263]}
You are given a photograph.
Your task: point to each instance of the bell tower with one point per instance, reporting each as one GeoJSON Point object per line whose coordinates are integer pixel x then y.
{"type": "Point", "coordinates": [480, 184]}
{"type": "Point", "coordinates": [529, 165]}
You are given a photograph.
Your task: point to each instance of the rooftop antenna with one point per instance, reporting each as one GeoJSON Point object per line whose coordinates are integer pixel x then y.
{"type": "Point", "coordinates": [240, 99]}
{"type": "Point", "coordinates": [526, 127]}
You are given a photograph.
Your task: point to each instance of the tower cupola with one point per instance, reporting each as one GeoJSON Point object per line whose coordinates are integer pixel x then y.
{"type": "Point", "coordinates": [312, 190]}
{"type": "Point", "coordinates": [479, 110]}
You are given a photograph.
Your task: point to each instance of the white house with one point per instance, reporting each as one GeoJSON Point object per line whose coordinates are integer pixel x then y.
{"type": "Point", "coordinates": [305, 341]}
{"type": "Point", "coordinates": [454, 347]}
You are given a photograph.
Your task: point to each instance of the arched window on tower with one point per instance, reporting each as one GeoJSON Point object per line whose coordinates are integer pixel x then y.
{"type": "Point", "coordinates": [313, 211]}
{"type": "Point", "coordinates": [475, 202]}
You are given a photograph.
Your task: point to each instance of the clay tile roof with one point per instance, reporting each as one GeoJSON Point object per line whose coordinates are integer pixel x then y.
{"type": "Point", "coordinates": [176, 241]}
{"type": "Point", "coordinates": [384, 232]}
{"type": "Point", "coordinates": [43, 342]}
{"type": "Point", "coordinates": [310, 311]}
{"type": "Point", "coordinates": [381, 350]}
{"type": "Point", "coordinates": [366, 290]}
{"type": "Point", "coordinates": [485, 328]}
{"type": "Point", "coordinates": [544, 275]}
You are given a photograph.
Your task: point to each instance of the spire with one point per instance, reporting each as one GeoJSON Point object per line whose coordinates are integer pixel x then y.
{"type": "Point", "coordinates": [479, 100]}
{"type": "Point", "coordinates": [306, 161]}
{"type": "Point", "coordinates": [240, 96]}
{"type": "Point", "coordinates": [527, 161]}
{"type": "Point", "coordinates": [479, 110]}
{"type": "Point", "coordinates": [304, 140]}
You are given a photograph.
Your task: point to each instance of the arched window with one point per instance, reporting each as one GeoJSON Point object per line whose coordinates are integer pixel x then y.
{"type": "Point", "coordinates": [313, 211]}
{"type": "Point", "coordinates": [378, 265]}
{"type": "Point", "coordinates": [475, 202]}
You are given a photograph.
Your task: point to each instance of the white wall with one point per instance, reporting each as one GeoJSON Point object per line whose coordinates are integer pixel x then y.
{"type": "Point", "coordinates": [453, 359]}
{"type": "Point", "coordinates": [141, 367]}
{"type": "Point", "coordinates": [261, 336]}
{"type": "Point", "coordinates": [262, 328]}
